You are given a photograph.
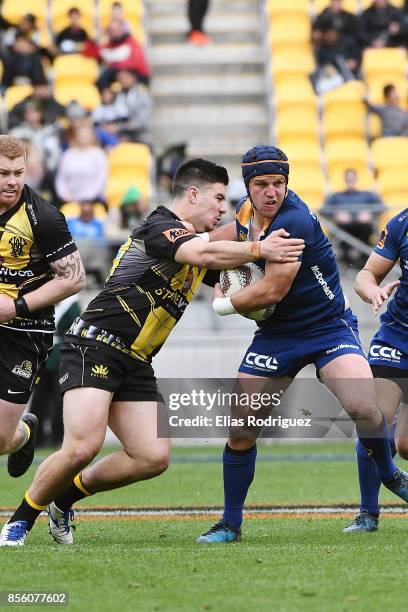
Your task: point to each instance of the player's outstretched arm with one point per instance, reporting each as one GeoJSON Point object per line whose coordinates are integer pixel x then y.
{"type": "Point", "coordinates": [225, 254]}
{"type": "Point", "coordinates": [370, 277]}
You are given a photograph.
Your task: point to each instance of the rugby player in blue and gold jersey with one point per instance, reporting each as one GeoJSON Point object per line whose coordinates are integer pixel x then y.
{"type": "Point", "coordinates": [388, 358]}
{"type": "Point", "coordinates": [311, 323]}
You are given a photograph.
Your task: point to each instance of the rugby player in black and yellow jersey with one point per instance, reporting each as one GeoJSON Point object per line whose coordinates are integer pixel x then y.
{"type": "Point", "coordinates": [106, 372]}
{"type": "Point", "coordinates": [39, 266]}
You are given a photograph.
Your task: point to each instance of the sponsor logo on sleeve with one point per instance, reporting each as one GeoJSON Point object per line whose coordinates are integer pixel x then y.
{"type": "Point", "coordinates": [174, 234]}
{"type": "Point", "coordinates": [381, 241]}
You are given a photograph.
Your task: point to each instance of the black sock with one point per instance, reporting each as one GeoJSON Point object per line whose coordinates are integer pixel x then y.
{"type": "Point", "coordinates": [73, 494]}
{"type": "Point", "coordinates": [28, 513]}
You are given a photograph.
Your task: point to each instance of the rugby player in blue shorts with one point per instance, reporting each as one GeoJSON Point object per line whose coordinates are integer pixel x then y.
{"type": "Point", "coordinates": [388, 357]}
{"type": "Point", "coordinates": [311, 323]}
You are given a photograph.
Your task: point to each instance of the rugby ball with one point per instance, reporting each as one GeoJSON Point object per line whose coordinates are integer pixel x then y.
{"type": "Point", "coordinates": [233, 280]}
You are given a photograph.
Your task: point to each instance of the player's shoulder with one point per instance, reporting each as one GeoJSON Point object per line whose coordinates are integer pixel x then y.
{"type": "Point", "coordinates": [399, 222]}
{"type": "Point", "coordinates": [295, 208]}
{"type": "Point", "coordinates": [38, 209]}
{"type": "Point", "coordinates": [157, 221]}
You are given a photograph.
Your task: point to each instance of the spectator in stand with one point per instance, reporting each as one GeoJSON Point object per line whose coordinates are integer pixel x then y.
{"type": "Point", "coordinates": [72, 38]}
{"type": "Point", "coordinates": [121, 51]}
{"type": "Point", "coordinates": [35, 170]}
{"type": "Point", "coordinates": [343, 53]}
{"type": "Point", "coordinates": [44, 137]}
{"type": "Point", "coordinates": [353, 210]}
{"type": "Point", "coordinates": [196, 12]}
{"type": "Point", "coordinates": [43, 98]}
{"type": "Point", "coordinates": [86, 225]}
{"type": "Point", "coordinates": [27, 26]}
{"type": "Point", "coordinates": [394, 120]}
{"type": "Point", "coordinates": [383, 25]}
{"type": "Point", "coordinates": [105, 117]}
{"type": "Point", "coordinates": [83, 169]}
{"type": "Point", "coordinates": [167, 165]}
{"type": "Point", "coordinates": [22, 63]}
{"type": "Point", "coordinates": [133, 208]}
{"type": "Point", "coordinates": [334, 16]}
{"type": "Point", "coordinates": [133, 107]}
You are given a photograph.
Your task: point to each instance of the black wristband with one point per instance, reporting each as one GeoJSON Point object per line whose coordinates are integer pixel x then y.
{"type": "Point", "coordinates": [22, 309]}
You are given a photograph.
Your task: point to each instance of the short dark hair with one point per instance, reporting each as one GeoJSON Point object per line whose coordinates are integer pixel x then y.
{"type": "Point", "coordinates": [197, 172]}
{"type": "Point", "coordinates": [388, 89]}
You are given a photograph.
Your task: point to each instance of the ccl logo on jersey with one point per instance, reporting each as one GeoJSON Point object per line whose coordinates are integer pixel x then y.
{"type": "Point", "coordinates": [261, 362]}
{"type": "Point", "coordinates": [377, 351]}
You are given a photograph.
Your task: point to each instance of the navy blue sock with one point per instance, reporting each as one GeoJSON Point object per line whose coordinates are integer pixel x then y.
{"type": "Point", "coordinates": [368, 477]}
{"type": "Point", "coordinates": [369, 481]}
{"type": "Point", "coordinates": [377, 445]}
{"type": "Point", "coordinates": [239, 470]}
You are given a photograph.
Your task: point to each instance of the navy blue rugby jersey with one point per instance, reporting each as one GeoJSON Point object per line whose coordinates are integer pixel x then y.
{"type": "Point", "coordinates": [393, 244]}
{"type": "Point", "coordinates": [316, 295]}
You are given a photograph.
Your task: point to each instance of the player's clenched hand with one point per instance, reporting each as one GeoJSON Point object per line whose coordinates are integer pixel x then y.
{"type": "Point", "coordinates": [381, 294]}
{"type": "Point", "coordinates": [217, 291]}
{"type": "Point", "coordinates": [277, 247]}
{"type": "Point", "coordinates": [7, 308]}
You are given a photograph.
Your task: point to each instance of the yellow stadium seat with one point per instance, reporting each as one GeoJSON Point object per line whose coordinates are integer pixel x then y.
{"type": "Point", "coordinates": [343, 153]}
{"type": "Point", "coordinates": [15, 94]}
{"type": "Point", "coordinates": [302, 152]}
{"type": "Point", "coordinates": [338, 123]}
{"type": "Point", "coordinates": [390, 153]}
{"type": "Point", "coordinates": [288, 65]}
{"type": "Point", "coordinates": [86, 94]}
{"type": "Point", "coordinates": [304, 122]}
{"type": "Point", "coordinates": [374, 127]}
{"type": "Point", "coordinates": [351, 93]}
{"type": "Point", "coordinates": [130, 155]}
{"type": "Point", "coordinates": [75, 67]}
{"type": "Point", "coordinates": [274, 7]}
{"type": "Point", "coordinates": [59, 14]}
{"type": "Point", "coordinates": [71, 210]}
{"type": "Point", "coordinates": [393, 180]}
{"type": "Point", "coordinates": [289, 28]}
{"type": "Point", "coordinates": [309, 184]}
{"type": "Point", "coordinates": [13, 10]}
{"type": "Point", "coordinates": [384, 65]}
{"type": "Point", "coordinates": [294, 95]}
{"type": "Point", "coordinates": [348, 5]}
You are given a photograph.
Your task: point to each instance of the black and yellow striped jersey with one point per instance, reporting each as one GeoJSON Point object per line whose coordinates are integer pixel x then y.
{"type": "Point", "coordinates": [146, 291]}
{"type": "Point", "coordinates": [33, 234]}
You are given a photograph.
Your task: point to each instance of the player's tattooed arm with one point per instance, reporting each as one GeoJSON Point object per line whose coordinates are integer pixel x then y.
{"type": "Point", "coordinates": [69, 268]}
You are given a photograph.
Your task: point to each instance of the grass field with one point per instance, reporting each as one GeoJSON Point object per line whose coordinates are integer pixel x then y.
{"type": "Point", "coordinates": [285, 562]}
